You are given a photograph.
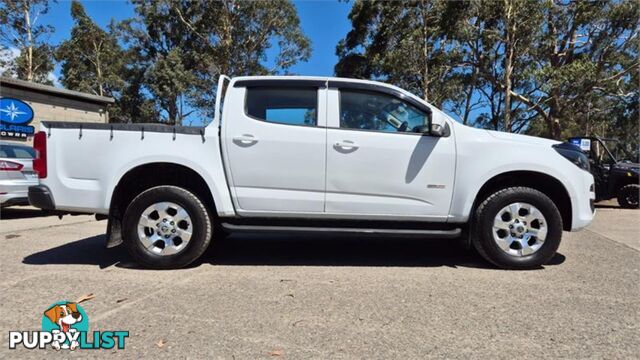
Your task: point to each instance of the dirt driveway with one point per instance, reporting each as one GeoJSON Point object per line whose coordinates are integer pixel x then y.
{"type": "Point", "coordinates": [322, 297]}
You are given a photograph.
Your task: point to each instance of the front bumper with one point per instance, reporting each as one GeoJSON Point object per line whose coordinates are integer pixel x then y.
{"type": "Point", "coordinates": [583, 204]}
{"type": "Point", "coordinates": [40, 197]}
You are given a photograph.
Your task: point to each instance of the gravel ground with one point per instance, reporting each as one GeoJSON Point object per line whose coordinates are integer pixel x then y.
{"type": "Point", "coordinates": [323, 297]}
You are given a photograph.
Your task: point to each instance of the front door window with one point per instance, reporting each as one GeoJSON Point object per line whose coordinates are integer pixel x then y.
{"type": "Point", "coordinates": [364, 110]}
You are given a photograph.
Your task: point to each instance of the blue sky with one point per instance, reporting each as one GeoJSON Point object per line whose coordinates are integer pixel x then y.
{"type": "Point", "coordinates": [324, 22]}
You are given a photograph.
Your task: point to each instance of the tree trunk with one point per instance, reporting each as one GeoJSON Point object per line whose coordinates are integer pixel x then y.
{"type": "Point", "coordinates": [99, 70]}
{"type": "Point", "coordinates": [554, 120]}
{"type": "Point", "coordinates": [555, 128]}
{"type": "Point", "coordinates": [467, 105]}
{"type": "Point", "coordinates": [226, 38]}
{"type": "Point", "coordinates": [425, 75]}
{"type": "Point", "coordinates": [27, 22]}
{"type": "Point", "coordinates": [172, 111]}
{"type": "Point", "coordinates": [508, 65]}
{"type": "Point", "coordinates": [425, 52]}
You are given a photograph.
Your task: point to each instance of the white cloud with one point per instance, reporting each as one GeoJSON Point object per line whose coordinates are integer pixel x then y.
{"type": "Point", "coordinates": [54, 79]}
{"type": "Point", "coordinates": [6, 57]}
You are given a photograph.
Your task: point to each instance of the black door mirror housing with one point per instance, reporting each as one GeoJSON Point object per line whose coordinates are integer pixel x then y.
{"type": "Point", "coordinates": [438, 130]}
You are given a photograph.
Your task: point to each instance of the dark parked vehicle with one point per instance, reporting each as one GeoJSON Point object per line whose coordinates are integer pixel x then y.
{"type": "Point", "coordinates": [613, 178]}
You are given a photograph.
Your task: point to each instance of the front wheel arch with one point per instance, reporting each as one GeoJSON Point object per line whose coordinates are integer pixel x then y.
{"type": "Point", "coordinates": [546, 184]}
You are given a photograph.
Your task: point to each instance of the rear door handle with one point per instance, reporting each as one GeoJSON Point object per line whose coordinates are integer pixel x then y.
{"type": "Point", "coordinates": [245, 139]}
{"type": "Point", "coordinates": [346, 145]}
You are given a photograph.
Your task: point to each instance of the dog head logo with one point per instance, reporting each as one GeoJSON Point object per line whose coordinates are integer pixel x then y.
{"type": "Point", "coordinates": [65, 317]}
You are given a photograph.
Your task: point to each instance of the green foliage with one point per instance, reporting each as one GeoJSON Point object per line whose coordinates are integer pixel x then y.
{"type": "Point", "coordinates": [551, 68]}
{"type": "Point", "coordinates": [169, 80]}
{"type": "Point", "coordinates": [19, 29]}
{"type": "Point", "coordinates": [404, 43]}
{"type": "Point", "coordinates": [163, 64]}
{"type": "Point", "coordinates": [186, 45]}
{"type": "Point", "coordinates": [92, 61]}
{"type": "Point", "coordinates": [132, 103]}
{"type": "Point", "coordinates": [589, 55]}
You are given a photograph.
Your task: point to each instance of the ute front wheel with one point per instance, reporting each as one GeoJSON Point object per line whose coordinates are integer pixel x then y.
{"type": "Point", "coordinates": [517, 228]}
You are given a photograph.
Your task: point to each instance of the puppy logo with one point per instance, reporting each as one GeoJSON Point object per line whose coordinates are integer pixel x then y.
{"type": "Point", "coordinates": [67, 318]}
{"type": "Point", "coordinates": [65, 325]}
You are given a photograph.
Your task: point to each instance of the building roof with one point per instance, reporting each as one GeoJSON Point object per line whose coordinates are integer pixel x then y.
{"type": "Point", "coordinates": [53, 91]}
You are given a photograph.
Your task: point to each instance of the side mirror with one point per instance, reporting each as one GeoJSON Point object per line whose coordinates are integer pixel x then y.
{"type": "Point", "coordinates": [438, 130]}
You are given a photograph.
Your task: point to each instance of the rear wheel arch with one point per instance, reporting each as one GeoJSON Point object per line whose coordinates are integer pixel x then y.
{"type": "Point", "coordinates": [546, 184]}
{"type": "Point", "coordinates": [143, 177]}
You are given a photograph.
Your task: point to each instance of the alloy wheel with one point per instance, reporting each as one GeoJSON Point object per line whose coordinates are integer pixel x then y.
{"type": "Point", "coordinates": [519, 229]}
{"type": "Point", "coordinates": [165, 228]}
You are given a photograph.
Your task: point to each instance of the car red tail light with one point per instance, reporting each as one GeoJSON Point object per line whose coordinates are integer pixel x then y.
{"type": "Point", "coordinates": [10, 166]}
{"type": "Point", "coordinates": [40, 162]}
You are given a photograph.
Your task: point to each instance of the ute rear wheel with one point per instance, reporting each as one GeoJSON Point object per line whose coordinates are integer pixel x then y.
{"type": "Point", "coordinates": [628, 196]}
{"type": "Point", "coordinates": [166, 227]}
{"type": "Point", "coordinates": [517, 228]}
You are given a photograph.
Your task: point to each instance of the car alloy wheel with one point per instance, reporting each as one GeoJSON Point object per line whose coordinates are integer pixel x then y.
{"type": "Point", "coordinates": [165, 228]}
{"type": "Point", "coordinates": [519, 229]}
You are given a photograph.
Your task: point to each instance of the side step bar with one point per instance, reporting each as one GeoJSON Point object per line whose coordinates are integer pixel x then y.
{"type": "Point", "coordinates": [435, 234]}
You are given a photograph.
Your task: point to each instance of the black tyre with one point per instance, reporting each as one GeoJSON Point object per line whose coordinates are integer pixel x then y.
{"type": "Point", "coordinates": [166, 227]}
{"type": "Point", "coordinates": [517, 228]}
{"type": "Point", "coordinates": [628, 196]}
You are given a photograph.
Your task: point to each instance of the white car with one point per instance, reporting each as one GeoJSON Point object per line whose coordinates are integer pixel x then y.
{"type": "Point", "coordinates": [16, 173]}
{"type": "Point", "coordinates": [316, 154]}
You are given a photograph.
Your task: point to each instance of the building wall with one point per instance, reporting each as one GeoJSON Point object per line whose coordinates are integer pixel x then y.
{"type": "Point", "coordinates": [50, 107]}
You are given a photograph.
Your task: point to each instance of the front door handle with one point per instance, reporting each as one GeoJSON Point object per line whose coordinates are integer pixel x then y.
{"type": "Point", "coordinates": [245, 139]}
{"type": "Point", "coordinates": [346, 145]}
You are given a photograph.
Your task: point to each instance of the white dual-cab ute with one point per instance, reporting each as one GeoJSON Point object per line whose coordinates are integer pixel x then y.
{"type": "Point", "coordinates": [315, 154]}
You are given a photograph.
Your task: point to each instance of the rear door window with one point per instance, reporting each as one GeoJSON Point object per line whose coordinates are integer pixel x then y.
{"type": "Point", "coordinates": [291, 106]}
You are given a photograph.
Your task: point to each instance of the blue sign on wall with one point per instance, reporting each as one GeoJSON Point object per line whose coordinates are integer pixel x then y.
{"type": "Point", "coordinates": [15, 115]}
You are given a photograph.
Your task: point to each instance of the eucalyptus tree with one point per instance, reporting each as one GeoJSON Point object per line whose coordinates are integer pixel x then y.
{"type": "Point", "coordinates": [22, 31]}
{"type": "Point", "coordinates": [91, 59]}
{"type": "Point", "coordinates": [185, 45]}
{"type": "Point", "coordinates": [586, 50]}
{"type": "Point", "coordinates": [535, 66]}
{"type": "Point", "coordinates": [406, 43]}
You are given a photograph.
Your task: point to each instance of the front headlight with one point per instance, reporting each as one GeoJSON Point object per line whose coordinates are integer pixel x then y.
{"type": "Point", "coordinates": [573, 153]}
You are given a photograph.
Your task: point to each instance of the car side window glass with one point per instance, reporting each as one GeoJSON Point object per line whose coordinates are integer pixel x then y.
{"type": "Point", "coordinates": [364, 110]}
{"type": "Point", "coordinates": [291, 106]}
{"type": "Point", "coordinates": [24, 153]}
{"type": "Point", "coordinates": [17, 152]}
